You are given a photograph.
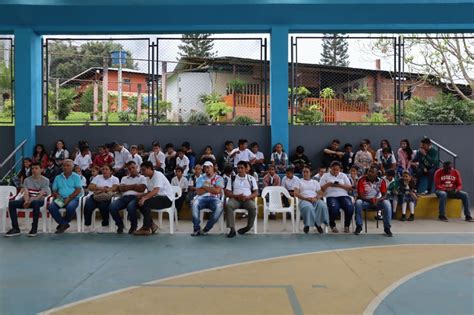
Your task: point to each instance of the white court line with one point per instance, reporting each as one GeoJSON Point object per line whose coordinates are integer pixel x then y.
{"type": "Point", "coordinates": [370, 309]}
{"type": "Point", "coordinates": [230, 266]}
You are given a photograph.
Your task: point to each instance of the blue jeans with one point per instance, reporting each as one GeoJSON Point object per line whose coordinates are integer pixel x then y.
{"type": "Point", "coordinates": [206, 202]}
{"type": "Point", "coordinates": [14, 205]}
{"type": "Point", "coordinates": [383, 205]}
{"type": "Point", "coordinates": [425, 181]}
{"type": "Point", "coordinates": [129, 202]}
{"type": "Point", "coordinates": [71, 207]}
{"type": "Point", "coordinates": [89, 208]}
{"type": "Point", "coordinates": [337, 203]}
{"type": "Point", "coordinates": [314, 213]}
{"type": "Point", "coordinates": [443, 198]}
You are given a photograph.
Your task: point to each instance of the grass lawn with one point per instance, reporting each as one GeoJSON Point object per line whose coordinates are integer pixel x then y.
{"type": "Point", "coordinates": [80, 118]}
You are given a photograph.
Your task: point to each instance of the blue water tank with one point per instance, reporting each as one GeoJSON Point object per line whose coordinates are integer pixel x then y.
{"type": "Point", "coordinates": [119, 56]}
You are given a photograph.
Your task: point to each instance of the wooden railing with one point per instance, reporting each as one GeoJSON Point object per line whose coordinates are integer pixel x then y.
{"type": "Point", "coordinates": [335, 110]}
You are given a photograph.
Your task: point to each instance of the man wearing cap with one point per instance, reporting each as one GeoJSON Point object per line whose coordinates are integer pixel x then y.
{"type": "Point", "coordinates": [209, 188]}
{"type": "Point", "coordinates": [448, 184]}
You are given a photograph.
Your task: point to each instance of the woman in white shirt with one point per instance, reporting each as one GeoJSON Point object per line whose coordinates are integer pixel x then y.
{"type": "Point", "coordinates": [313, 209]}
{"type": "Point", "coordinates": [101, 186]}
{"type": "Point", "coordinates": [336, 185]}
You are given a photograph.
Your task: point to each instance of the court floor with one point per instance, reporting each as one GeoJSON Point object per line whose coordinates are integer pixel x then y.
{"type": "Point", "coordinates": [279, 273]}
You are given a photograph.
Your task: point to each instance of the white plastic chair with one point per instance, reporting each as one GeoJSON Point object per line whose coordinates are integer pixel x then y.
{"type": "Point", "coordinates": [6, 192]}
{"type": "Point", "coordinates": [172, 211]}
{"type": "Point", "coordinates": [94, 213]}
{"type": "Point", "coordinates": [244, 211]}
{"type": "Point", "coordinates": [221, 218]}
{"type": "Point", "coordinates": [275, 205]}
{"type": "Point", "coordinates": [44, 213]}
{"type": "Point", "coordinates": [63, 210]}
{"type": "Point", "coordinates": [298, 215]}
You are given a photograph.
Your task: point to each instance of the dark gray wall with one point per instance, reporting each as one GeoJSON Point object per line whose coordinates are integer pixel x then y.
{"type": "Point", "coordinates": [458, 139]}
{"type": "Point", "coordinates": [198, 136]}
{"type": "Point", "coordinates": [7, 144]}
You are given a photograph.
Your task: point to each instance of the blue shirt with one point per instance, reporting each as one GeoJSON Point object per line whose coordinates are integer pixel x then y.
{"type": "Point", "coordinates": [204, 181]}
{"type": "Point", "coordinates": [66, 186]}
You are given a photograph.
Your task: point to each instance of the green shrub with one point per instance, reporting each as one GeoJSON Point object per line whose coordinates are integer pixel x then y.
{"type": "Point", "coordinates": [445, 108]}
{"type": "Point", "coordinates": [217, 111]}
{"type": "Point", "coordinates": [86, 102]}
{"type": "Point", "coordinates": [375, 118]}
{"type": "Point", "coordinates": [65, 102]}
{"type": "Point", "coordinates": [310, 115]}
{"type": "Point", "coordinates": [237, 85]}
{"type": "Point", "coordinates": [327, 93]}
{"type": "Point", "coordinates": [199, 118]}
{"type": "Point", "coordinates": [359, 95]}
{"type": "Point", "coordinates": [243, 120]}
{"type": "Point", "coordinates": [126, 116]}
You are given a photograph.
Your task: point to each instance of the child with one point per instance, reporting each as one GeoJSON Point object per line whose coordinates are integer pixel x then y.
{"type": "Point", "coordinates": [279, 158]}
{"type": "Point", "coordinates": [95, 170]}
{"type": "Point", "coordinates": [142, 152]}
{"type": "Point", "coordinates": [271, 178]}
{"type": "Point", "coordinates": [157, 158]}
{"type": "Point", "coordinates": [208, 156]}
{"type": "Point", "coordinates": [347, 158]}
{"type": "Point", "coordinates": [24, 172]}
{"type": "Point", "coordinates": [299, 160]}
{"type": "Point", "coordinates": [290, 182]}
{"type": "Point", "coordinates": [227, 173]}
{"type": "Point", "coordinates": [259, 164]}
{"type": "Point", "coordinates": [392, 189]}
{"type": "Point", "coordinates": [103, 157]}
{"type": "Point", "coordinates": [193, 181]}
{"type": "Point", "coordinates": [183, 162]}
{"type": "Point", "coordinates": [78, 171]}
{"type": "Point", "coordinates": [354, 179]}
{"type": "Point", "coordinates": [242, 153]}
{"type": "Point", "coordinates": [180, 181]}
{"type": "Point", "coordinates": [321, 171]}
{"type": "Point", "coordinates": [186, 147]}
{"type": "Point", "coordinates": [84, 161]}
{"type": "Point", "coordinates": [407, 195]}
{"type": "Point", "coordinates": [52, 170]}
{"type": "Point", "coordinates": [387, 160]}
{"type": "Point", "coordinates": [170, 161]}
{"type": "Point", "coordinates": [228, 159]}
{"type": "Point", "coordinates": [135, 155]}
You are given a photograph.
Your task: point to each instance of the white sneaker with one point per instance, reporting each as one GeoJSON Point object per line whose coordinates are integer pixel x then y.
{"type": "Point", "coordinates": [88, 229]}
{"type": "Point", "coordinates": [102, 229]}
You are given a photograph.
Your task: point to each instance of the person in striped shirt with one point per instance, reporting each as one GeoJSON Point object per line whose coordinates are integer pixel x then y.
{"type": "Point", "coordinates": [35, 188]}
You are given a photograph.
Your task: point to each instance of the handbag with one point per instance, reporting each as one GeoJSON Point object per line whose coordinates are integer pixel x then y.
{"type": "Point", "coordinates": [103, 196]}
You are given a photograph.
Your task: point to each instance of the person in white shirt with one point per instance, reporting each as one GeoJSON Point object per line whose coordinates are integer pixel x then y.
{"type": "Point", "coordinates": [180, 181]}
{"type": "Point", "coordinates": [159, 196]}
{"type": "Point", "coordinates": [134, 156]}
{"type": "Point", "coordinates": [259, 164]}
{"type": "Point", "coordinates": [121, 157]}
{"type": "Point", "coordinates": [78, 171]}
{"type": "Point", "coordinates": [241, 191]}
{"type": "Point", "coordinates": [336, 186]}
{"type": "Point", "coordinates": [290, 181]}
{"type": "Point", "coordinates": [84, 161]}
{"type": "Point", "coordinates": [157, 158]}
{"type": "Point", "coordinates": [279, 158]}
{"type": "Point", "coordinates": [313, 209]}
{"type": "Point", "coordinates": [242, 153]}
{"type": "Point", "coordinates": [100, 186]}
{"type": "Point", "coordinates": [130, 186]}
{"type": "Point", "coordinates": [183, 162]}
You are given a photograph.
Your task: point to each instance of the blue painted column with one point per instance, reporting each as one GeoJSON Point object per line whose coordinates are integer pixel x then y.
{"type": "Point", "coordinates": [28, 82]}
{"type": "Point", "coordinates": [279, 86]}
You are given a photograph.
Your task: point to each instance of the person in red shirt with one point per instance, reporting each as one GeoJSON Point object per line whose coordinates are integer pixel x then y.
{"type": "Point", "coordinates": [448, 184]}
{"type": "Point", "coordinates": [372, 194]}
{"type": "Point", "coordinates": [103, 157]}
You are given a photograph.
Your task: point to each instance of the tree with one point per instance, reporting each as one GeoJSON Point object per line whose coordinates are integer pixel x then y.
{"type": "Point", "coordinates": [67, 60]}
{"type": "Point", "coordinates": [196, 45]}
{"type": "Point", "coordinates": [335, 50]}
{"type": "Point", "coordinates": [446, 59]}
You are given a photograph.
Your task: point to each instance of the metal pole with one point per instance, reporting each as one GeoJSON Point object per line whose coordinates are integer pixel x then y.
{"type": "Point", "coordinates": [395, 80]}
{"type": "Point", "coordinates": [292, 79]}
{"type": "Point", "coordinates": [265, 81]}
{"type": "Point", "coordinates": [119, 90]}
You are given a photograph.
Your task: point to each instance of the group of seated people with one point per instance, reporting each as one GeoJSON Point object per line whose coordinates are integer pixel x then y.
{"type": "Point", "coordinates": [115, 179]}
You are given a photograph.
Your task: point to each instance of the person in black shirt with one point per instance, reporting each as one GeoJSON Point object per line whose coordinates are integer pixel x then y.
{"type": "Point", "coordinates": [348, 158]}
{"type": "Point", "coordinates": [299, 159]}
{"type": "Point", "coordinates": [332, 153]}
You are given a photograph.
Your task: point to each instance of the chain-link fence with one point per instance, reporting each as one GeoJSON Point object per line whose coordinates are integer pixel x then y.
{"type": "Point", "coordinates": [196, 79]}
{"type": "Point", "coordinates": [7, 108]}
{"type": "Point", "coordinates": [213, 80]}
{"type": "Point", "coordinates": [97, 81]}
{"type": "Point", "coordinates": [335, 78]}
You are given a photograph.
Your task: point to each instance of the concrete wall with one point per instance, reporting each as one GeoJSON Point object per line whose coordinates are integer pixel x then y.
{"type": "Point", "coordinates": [455, 138]}
{"type": "Point", "coordinates": [7, 144]}
{"type": "Point", "coordinates": [198, 136]}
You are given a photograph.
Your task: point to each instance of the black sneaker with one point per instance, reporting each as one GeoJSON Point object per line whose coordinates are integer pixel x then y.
{"type": "Point", "coordinates": [243, 230]}
{"type": "Point", "coordinates": [412, 217]}
{"type": "Point", "coordinates": [120, 230]}
{"type": "Point", "coordinates": [62, 228]}
{"type": "Point", "coordinates": [204, 231]}
{"type": "Point", "coordinates": [196, 233]}
{"type": "Point", "coordinates": [132, 229]}
{"type": "Point", "coordinates": [320, 230]}
{"type": "Point", "coordinates": [403, 218]}
{"type": "Point", "coordinates": [13, 232]}
{"type": "Point", "coordinates": [379, 216]}
{"type": "Point", "coordinates": [33, 232]}
{"type": "Point", "coordinates": [443, 218]}
{"type": "Point", "coordinates": [306, 229]}
{"type": "Point", "coordinates": [231, 233]}
{"type": "Point", "coordinates": [469, 218]}
{"type": "Point", "coordinates": [388, 232]}
{"type": "Point", "coordinates": [358, 230]}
